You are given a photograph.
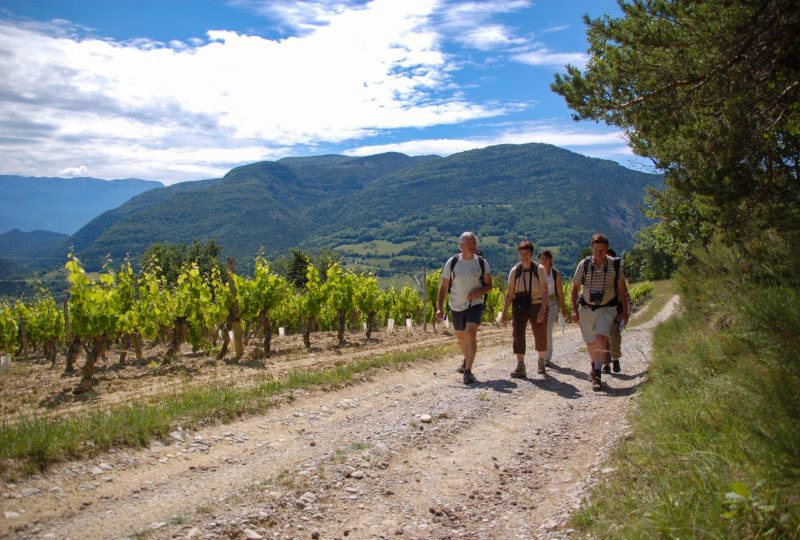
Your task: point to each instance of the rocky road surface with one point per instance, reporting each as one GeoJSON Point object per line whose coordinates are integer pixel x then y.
{"type": "Point", "coordinates": [406, 454]}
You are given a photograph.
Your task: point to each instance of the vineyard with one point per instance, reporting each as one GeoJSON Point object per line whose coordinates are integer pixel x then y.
{"type": "Point", "coordinates": [127, 313]}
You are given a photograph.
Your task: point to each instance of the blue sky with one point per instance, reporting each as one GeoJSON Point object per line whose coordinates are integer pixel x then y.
{"type": "Point", "coordinates": [175, 90]}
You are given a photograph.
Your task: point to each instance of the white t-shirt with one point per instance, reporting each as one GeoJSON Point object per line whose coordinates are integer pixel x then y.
{"type": "Point", "coordinates": [465, 278]}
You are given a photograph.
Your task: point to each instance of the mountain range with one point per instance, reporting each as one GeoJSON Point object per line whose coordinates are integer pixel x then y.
{"type": "Point", "coordinates": [390, 213]}
{"type": "Point", "coordinates": [61, 205]}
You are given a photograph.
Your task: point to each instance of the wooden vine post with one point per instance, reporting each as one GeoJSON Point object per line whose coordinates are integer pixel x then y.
{"type": "Point", "coordinates": [424, 301]}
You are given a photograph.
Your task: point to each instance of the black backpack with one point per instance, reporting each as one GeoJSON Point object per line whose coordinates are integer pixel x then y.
{"type": "Point", "coordinates": [454, 261]}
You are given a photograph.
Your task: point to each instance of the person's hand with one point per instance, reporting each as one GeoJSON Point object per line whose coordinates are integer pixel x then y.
{"type": "Point", "coordinates": [504, 319]}
{"type": "Point", "coordinates": [575, 317]}
{"type": "Point", "coordinates": [440, 314]}
{"type": "Point", "coordinates": [474, 293]}
{"type": "Point", "coordinates": [625, 317]}
{"type": "Point", "coordinates": [541, 317]}
{"type": "Point", "coordinates": [564, 313]}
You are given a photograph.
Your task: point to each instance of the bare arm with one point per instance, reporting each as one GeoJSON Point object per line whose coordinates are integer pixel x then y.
{"type": "Point", "coordinates": [480, 291]}
{"type": "Point", "coordinates": [544, 292]}
{"type": "Point", "coordinates": [440, 298]}
{"type": "Point", "coordinates": [622, 291]}
{"type": "Point", "coordinates": [560, 292]}
{"type": "Point", "coordinates": [512, 287]}
{"type": "Point", "coordinates": [573, 296]}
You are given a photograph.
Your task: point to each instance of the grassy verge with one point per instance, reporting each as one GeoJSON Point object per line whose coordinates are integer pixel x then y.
{"type": "Point", "coordinates": [662, 291]}
{"type": "Point", "coordinates": [32, 444]}
{"type": "Point", "coordinates": [715, 451]}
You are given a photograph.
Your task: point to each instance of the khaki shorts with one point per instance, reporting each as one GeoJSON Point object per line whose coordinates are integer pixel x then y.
{"type": "Point", "coordinates": [596, 322]}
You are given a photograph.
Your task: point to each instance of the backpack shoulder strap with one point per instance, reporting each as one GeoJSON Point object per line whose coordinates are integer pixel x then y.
{"type": "Point", "coordinates": [452, 262]}
{"type": "Point", "coordinates": [586, 263]}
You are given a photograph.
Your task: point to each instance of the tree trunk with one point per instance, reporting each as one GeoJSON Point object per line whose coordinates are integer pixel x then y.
{"type": "Point", "coordinates": [125, 344]}
{"type": "Point", "coordinates": [177, 339]}
{"type": "Point", "coordinates": [235, 316]}
{"type": "Point", "coordinates": [370, 323]}
{"type": "Point", "coordinates": [137, 345]}
{"type": "Point", "coordinates": [307, 333]}
{"type": "Point", "coordinates": [226, 339]}
{"type": "Point", "coordinates": [340, 334]}
{"type": "Point", "coordinates": [23, 339]}
{"type": "Point", "coordinates": [72, 354]}
{"type": "Point", "coordinates": [51, 351]}
{"type": "Point", "coordinates": [266, 324]}
{"type": "Point", "coordinates": [247, 333]}
{"type": "Point", "coordinates": [87, 383]}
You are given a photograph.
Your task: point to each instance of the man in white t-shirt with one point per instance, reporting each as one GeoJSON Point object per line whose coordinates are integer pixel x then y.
{"type": "Point", "coordinates": [467, 277]}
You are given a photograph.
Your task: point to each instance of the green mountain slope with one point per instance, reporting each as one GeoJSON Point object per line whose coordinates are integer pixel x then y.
{"type": "Point", "coordinates": [31, 249]}
{"type": "Point", "coordinates": [389, 212]}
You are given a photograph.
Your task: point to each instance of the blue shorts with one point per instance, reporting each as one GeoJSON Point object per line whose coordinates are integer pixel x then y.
{"type": "Point", "coordinates": [472, 314]}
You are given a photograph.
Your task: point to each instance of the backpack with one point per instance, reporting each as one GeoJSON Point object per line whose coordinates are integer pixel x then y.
{"type": "Point", "coordinates": [454, 261]}
{"type": "Point", "coordinates": [617, 262]}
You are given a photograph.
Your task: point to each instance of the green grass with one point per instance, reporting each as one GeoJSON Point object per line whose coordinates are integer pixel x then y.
{"type": "Point", "coordinates": [715, 448]}
{"type": "Point", "coordinates": [32, 444]}
{"type": "Point", "coordinates": [662, 291]}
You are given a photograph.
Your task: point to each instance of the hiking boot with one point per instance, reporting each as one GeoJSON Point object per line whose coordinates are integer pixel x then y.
{"type": "Point", "coordinates": [597, 383]}
{"type": "Point", "coordinates": [519, 373]}
{"type": "Point", "coordinates": [607, 369]}
{"type": "Point", "coordinates": [541, 366]}
{"type": "Point", "coordinates": [463, 367]}
{"type": "Point", "coordinates": [617, 367]}
{"type": "Point", "coordinates": [469, 378]}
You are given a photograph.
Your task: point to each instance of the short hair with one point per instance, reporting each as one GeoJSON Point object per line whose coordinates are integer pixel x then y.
{"type": "Point", "coordinates": [525, 244]}
{"type": "Point", "coordinates": [546, 253]}
{"type": "Point", "coordinates": [612, 252]}
{"type": "Point", "coordinates": [466, 235]}
{"type": "Point", "coordinates": [600, 239]}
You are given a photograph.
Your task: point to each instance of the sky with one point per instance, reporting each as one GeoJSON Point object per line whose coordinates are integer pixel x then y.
{"type": "Point", "coordinates": [176, 90]}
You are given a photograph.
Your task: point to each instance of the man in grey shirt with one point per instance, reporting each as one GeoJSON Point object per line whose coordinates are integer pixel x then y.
{"type": "Point", "coordinates": [467, 277]}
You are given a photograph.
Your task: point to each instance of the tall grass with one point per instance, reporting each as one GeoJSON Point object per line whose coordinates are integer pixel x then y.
{"type": "Point", "coordinates": [32, 444]}
{"type": "Point", "coordinates": [715, 451]}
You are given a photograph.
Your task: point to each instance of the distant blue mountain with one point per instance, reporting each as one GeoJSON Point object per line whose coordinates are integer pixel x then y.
{"type": "Point", "coordinates": [61, 205]}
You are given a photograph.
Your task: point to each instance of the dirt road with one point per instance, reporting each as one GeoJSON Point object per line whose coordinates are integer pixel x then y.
{"type": "Point", "coordinates": [407, 454]}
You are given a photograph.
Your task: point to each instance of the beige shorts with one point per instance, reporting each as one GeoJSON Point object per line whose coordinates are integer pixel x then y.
{"type": "Point", "coordinates": [596, 322]}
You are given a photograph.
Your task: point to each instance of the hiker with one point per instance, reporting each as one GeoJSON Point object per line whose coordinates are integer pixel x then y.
{"type": "Point", "coordinates": [600, 281]}
{"type": "Point", "coordinates": [555, 300]}
{"type": "Point", "coordinates": [466, 277]}
{"type": "Point", "coordinates": [615, 336]}
{"type": "Point", "coordinates": [526, 281]}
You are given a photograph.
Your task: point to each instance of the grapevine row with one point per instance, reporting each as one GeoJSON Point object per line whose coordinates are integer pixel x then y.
{"type": "Point", "coordinates": [126, 308]}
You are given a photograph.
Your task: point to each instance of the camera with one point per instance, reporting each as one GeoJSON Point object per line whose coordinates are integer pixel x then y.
{"type": "Point", "coordinates": [522, 301]}
{"type": "Point", "coordinates": [596, 297]}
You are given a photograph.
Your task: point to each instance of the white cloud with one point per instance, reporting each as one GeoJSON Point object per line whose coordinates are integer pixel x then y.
{"type": "Point", "coordinates": [72, 172]}
{"type": "Point", "coordinates": [553, 29]}
{"type": "Point", "coordinates": [354, 73]}
{"type": "Point", "coordinates": [545, 57]}
{"type": "Point", "coordinates": [470, 23]}
{"type": "Point", "coordinates": [605, 144]}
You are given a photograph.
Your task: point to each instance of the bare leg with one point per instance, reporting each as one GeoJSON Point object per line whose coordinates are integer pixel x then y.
{"type": "Point", "coordinates": [470, 344]}
{"type": "Point", "coordinates": [597, 351]}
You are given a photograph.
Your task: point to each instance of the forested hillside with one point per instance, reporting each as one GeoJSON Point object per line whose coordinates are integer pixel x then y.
{"type": "Point", "coordinates": [390, 212]}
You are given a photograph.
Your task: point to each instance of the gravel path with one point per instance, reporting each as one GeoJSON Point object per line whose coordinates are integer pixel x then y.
{"type": "Point", "coordinates": [407, 454]}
